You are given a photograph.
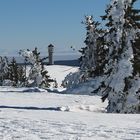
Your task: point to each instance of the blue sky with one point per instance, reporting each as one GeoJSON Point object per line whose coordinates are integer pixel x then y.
{"type": "Point", "coordinates": [29, 23]}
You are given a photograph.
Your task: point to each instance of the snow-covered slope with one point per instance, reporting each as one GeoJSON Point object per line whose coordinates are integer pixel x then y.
{"type": "Point", "coordinates": [59, 72]}
{"type": "Point", "coordinates": [35, 114]}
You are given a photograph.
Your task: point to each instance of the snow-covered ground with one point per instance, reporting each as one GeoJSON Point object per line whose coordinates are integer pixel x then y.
{"type": "Point", "coordinates": [59, 72]}
{"type": "Point", "coordinates": [35, 114]}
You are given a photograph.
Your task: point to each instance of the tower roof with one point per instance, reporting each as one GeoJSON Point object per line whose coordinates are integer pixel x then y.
{"type": "Point", "coordinates": [50, 45]}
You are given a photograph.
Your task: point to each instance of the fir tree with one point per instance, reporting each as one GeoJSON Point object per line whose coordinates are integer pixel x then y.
{"type": "Point", "coordinates": [93, 56]}
{"type": "Point", "coordinates": [13, 72]}
{"type": "Point", "coordinates": [37, 73]}
{"type": "Point", "coordinates": [132, 89]}
{"type": "Point", "coordinates": [123, 30]}
{"type": "Point", "coordinates": [89, 59]}
{"type": "Point", "coordinates": [16, 73]}
{"type": "Point", "coordinates": [4, 68]}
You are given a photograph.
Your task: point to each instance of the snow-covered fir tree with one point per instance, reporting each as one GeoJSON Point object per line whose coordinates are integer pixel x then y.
{"type": "Point", "coordinates": [91, 55]}
{"type": "Point", "coordinates": [4, 68]}
{"type": "Point", "coordinates": [16, 73]}
{"type": "Point", "coordinates": [38, 75]}
{"type": "Point", "coordinates": [89, 58]}
{"type": "Point", "coordinates": [132, 90]}
{"type": "Point", "coordinates": [121, 86]}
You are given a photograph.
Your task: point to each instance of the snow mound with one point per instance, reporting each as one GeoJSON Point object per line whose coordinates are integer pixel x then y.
{"type": "Point", "coordinates": [23, 89]}
{"type": "Point", "coordinates": [36, 89]}
{"type": "Point", "coordinates": [83, 108]}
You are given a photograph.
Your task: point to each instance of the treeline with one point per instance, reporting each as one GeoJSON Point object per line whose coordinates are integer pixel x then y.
{"type": "Point", "coordinates": [34, 75]}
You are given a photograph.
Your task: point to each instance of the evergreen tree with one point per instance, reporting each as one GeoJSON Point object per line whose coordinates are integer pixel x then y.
{"type": "Point", "coordinates": [4, 68]}
{"type": "Point", "coordinates": [38, 75]}
{"type": "Point", "coordinates": [13, 72]}
{"type": "Point", "coordinates": [123, 30]}
{"type": "Point", "coordinates": [16, 73]}
{"type": "Point", "coordinates": [89, 59]}
{"type": "Point", "coordinates": [132, 89]}
{"type": "Point", "coordinates": [92, 59]}
{"type": "Point", "coordinates": [22, 76]}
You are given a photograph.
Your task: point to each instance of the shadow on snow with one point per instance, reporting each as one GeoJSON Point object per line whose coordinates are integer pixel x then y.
{"type": "Point", "coordinates": [32, 108]}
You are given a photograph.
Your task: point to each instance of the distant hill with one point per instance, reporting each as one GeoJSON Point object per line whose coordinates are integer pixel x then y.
{"type": "Point", "coordinates": [68, 60]}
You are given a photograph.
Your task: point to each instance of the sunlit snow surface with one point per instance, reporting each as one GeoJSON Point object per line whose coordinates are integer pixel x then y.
{"type": "Point", "coordinates": [34, 114]}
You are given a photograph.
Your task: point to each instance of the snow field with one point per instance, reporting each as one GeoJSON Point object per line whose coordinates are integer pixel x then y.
{"type": "Point", "coordinates": [40, 115]}
{"type": "Point", "coordinates": [59, 73]}
{"type": "Point", "coordinates": [52, 125]}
